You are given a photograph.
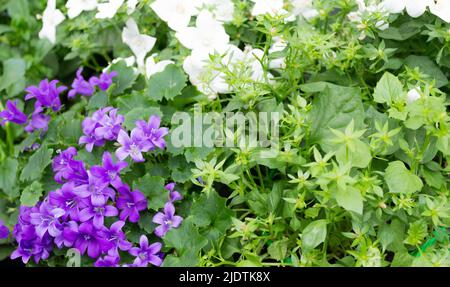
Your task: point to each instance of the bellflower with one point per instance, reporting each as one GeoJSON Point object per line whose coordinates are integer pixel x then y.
{"type": "Point", "coordinates": [177, 13]}
{"type": "Point", "coordinates": [132, 146]}
{"type": "Point", "coordinates": [130, 203]}
{"type": "Point", "coordinates": [116, 237]}
{"type": "Point", "coordinates": [152, 132]}
{"type": "Point", "coordinates": [51, 18]}
{"type": "Point", "coordinates": [109, 171]}
{"type": "Point", "coordinates": [109, 125]}
{"type": "Point", "coordinates": [107, 261]}
{"type": "Point", "coordinates": [69, 200]}
{"type": "Point", "coordinates": [222, 10]}
{"type": "Point", "coordinates": [4, 231]}
{"type": "Point", "coordinates": [98, 190]}
{"type": "Point", "coordinates": [108, 9]}
{"type": "Point", "coordinates": [146, 254]}
{"type": "Point", "coordinates": [85, 237]}
{"type": "Point", "coordinates": [80, 86]}
{"type": "Point", "coordinates": [61, 164]}
{"type": "Point", "coordinates": [272, 7]}
{"type": "Point", "coordinates": [104, 81]}
{"type": "Point", "coordinates": [139, 43]}
{"type": "Point", "coordinates": [173, 194]}
{"type": "Point", "coordinates": [12, 114]}
{"type": "Point", "coordinates": [441, 8]}
{"type": "Point", "coordinates": [39, 121]}
{"type": "Point", "coordinates": [97, 213]}
{"type": "Point", "coordinates": [414, 8]}
{"type": "Point", "coordinates": [47, 220]}
{"type": "Point", "coordinates": [46, 94]}
{"type": "Point", "coordinates": [166, 220]}
{"type": "Point", "coordinates": [151, 67]}
{"type": "Point", "coordinates": [75, 7]}
{"type": "Point", "coordinates": [38, 249]}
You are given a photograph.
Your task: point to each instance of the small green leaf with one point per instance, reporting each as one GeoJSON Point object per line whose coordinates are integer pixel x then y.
{"type": "Point", "coordinates": [153, 188]}
{"type": "Point", "coordinates": [350, 199]}
{"type": "Point", "coordinates": [36, 164]}
{"type": "Point", "coordinates": [388, 90]}
{"type": "Point", "coordinates": [168, 84]}
{"type": "Point", "coordinates": [31, 194]}
{"type": "Point", "coordinates": [400, 180]}
{"type": "Point", "coordinates": [8, 174]}
{"type": "Point", "coordinates": [314, 234]}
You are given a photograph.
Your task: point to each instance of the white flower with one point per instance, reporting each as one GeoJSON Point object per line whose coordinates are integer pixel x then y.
{"type": "Point", "coordinates": [222, 10]}
{"type": "Point", "coordinates": [151, 67]}
{"type": "Point", "coordinates": [304, 8]}
{"type": "Point", "coordinates": [441, 8]}
{"type": "Point", "coordinates": [279, 45]}
{"type": "Point", "coordinates": [271, 7]}
{"type": "Point", "coordinates": [177, 13]}
{"type": "Point", "coordinates": [51, 18]}
{"type": "Point", "coordinates": [414, 8]}
{"type": "Point", "coordinates": [130, 61]}
{"type": "Point", "coordinates": [374, 13]}
{"type": "Point", "coordinates": [108, 9]}
{"type": "Point", "coordinates": [131, 6]}
{"type": "Point", "coordinates": [209, 34]}
{"type": "Point", "coordinates": [413, 95]}
{"type": "Point", "coordinates": [140, 44]}
{"type": "Point", "coordinates": [75, 7]}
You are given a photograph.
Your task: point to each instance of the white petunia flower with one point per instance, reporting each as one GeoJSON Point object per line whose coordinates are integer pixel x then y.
{"type": "Point", "coordinates": [51, 18]}
{"type": "Point", "coordinates": [222, 10]}
{"type": "Point", "coordinates": [151, 67]}
{"type": "Point", "coordinates": [140, 44]}
{"type": "Point", "coordinates": [177, 13]}
{"type": "Point", "coordinates": [271, 7]}
{"type": "Point", "coordinates": [441, 8]}
{"type": "Point", "coordinates": [413, 95]}
{"type": "Point", "coordinates": [414, 8]}
{"type": "Point", "coordinates": [131, 6]}
{"type": "Point", "coordinates": [75, 7]}
{"type": "Point", "coordinates": [209, 34]}
{"type": "Point", "coordinates": [108, 9]}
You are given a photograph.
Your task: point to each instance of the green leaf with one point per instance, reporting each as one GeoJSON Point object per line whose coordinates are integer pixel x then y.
{"type": "Point", "coordinates": [98, 100]}
{"type": "Point", "coordinates": [388, 90]}
{"type": "Point", "coordinates": [31, 194]}
{"type": "Point", "coordinates": [211, 210]}
{"type": "Point", "coordinates": [417, 232]}
{"type": "Point", "coordinates": [140, 113]}
{"type": "Point", "coordinates": [314, 234]}
{"type": "Point", "coordinates": [278, 249]}
{"type": "Point", "coordinates": [400, 180]}
{"type": "Point", "coordinates": [428, 67]}
{"type": "Point", "coordinates": [167, 84]}
{"type": "Point", "coordinates": [8, 174]}
{"type": "Point", "coordinates": [350, 199]}
{"type": "Point", "coordinates": [335, 108]}
{"type": "Point", "coordinates": [36, 164]}
{"type": "Point", "coordinates": [13, 79]}
{"type": "Point", "coordinates": [153, 188]}
{"type": "Point", "coordinates": [125, 77]}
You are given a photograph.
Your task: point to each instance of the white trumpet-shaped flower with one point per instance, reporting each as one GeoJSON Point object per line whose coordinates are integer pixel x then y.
{"type": "Point", "coordinates": [139, 43]}
{"type": "Point", "coordinates": [151, 67]}
{"type": "Point", "coordinates": [441, 8]}
{"type": "Point", "coordinates": [177, 13]}
{"type": "Point", "coordinates": [51, 18]}
{"type": "Point", "coordinates": [207, 35]}
{"type": "Point", "coordinates": [108, 9]}
{"type": "Point", "coordinates": [75, 7]}
{"type": "Point", "coordinates": [414, 8]}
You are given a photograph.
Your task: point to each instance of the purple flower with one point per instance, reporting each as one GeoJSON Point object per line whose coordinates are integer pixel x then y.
{"type": "Point", "coordinates": [116, 237]}
{"type": "Point", "coordinates": [98, 214]}
{"type": "Point", "coordinates": [130, 203]}
{"type": "Point", "coordinates": [167, 220]}
{"type": "Point", "coordinates": [152, 132]}
{"type": "Point", "coordinates": [47, 220]}
{"type": "Point", "coordinates": [46, 94]}
{"type": "Point", "coordinates": [98, 190]}
{"type": "Point", "coordinates": [110, 171]}
{"type": "Point", "coordinates": [12, 114]}
{"type": "Point", "coordinates": [61, 164]}
{"type": "Point", "coordinates": [77, 173]}
{"type": "Point", "coordinates": [69, 200]}
{"type": "Point", "coordinates": [81, 86]}
{"type": "Point", "coordinates": [146, 254]}
{"type": "Point", "coordinates": [104, 81]}
{"type": "Point", "coordinates": [37, 249]}
{"type": "Point", "coordinates": [131, 146]}
{"type": "Point", "coordinates": [173, 194]}
{"type": "Point", "coordinates": [39, 121]}
{"type": "Point", "coordinates": [4, 231]}
{"type": "Point", "coordinates": [85, 237]}
{"type": "Point", "coordinates": [107, 261]}
{"type": "Point", "coordinates": [109, 125]}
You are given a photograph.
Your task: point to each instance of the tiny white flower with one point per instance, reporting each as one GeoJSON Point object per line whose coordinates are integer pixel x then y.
{"type": "Point", "coordinates": [441, 8]}
{"type": "Point", "coordinates": [151, 67]}
{"type": "Point", "coordinates": [271, 7]}
{"type": "Point", "coordinates": [131, 6]}
{"type": "Point", "coordinates": [51, 18]}
{"type": "Point", "coordinates": [414, 8]}
{"type": "Point", "coordinates": [222, 10]}
{"type": "Point", "coordinates": [75, 7]}
{"type": "Point", "coordinates": [207, 35]}
{"type": "Point", "coordinates": [177, 13]}
{"type": "Point", "coordinates": [413, 95]}
{"type": "Point", "coordinates": [108, 9]}
{"type": "Point", "coordinates": [140, 44]}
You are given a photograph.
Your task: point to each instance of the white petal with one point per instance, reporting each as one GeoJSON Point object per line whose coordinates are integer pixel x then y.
{"type": "Point", "coordinates": [416, 8]}
{"type": "Point", "coordinates": [441, 9]}
{"type": "Point", "coordinates": [108, 9]}
{"type": "Point", "coordinates": [394, 6]}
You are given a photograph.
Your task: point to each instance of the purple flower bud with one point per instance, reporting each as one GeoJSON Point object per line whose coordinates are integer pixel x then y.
{"type": "Point", "coordinates": [12, 114]}
{"type": "Point", "coordinates": [81, 86]}
{"type": "Point", "coordinates": [104, 81]}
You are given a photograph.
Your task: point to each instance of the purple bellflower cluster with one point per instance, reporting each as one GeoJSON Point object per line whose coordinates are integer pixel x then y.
{"type": "Point", "coordinates": [167, 219]}
{"type": "Point", "coordinates": [47, 100]}
{"type": "Point", "coordinates": [4, 231]}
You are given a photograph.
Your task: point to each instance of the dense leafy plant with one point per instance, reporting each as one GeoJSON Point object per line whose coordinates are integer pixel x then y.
{"type": "Point", "coordinates": [360, 177]}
